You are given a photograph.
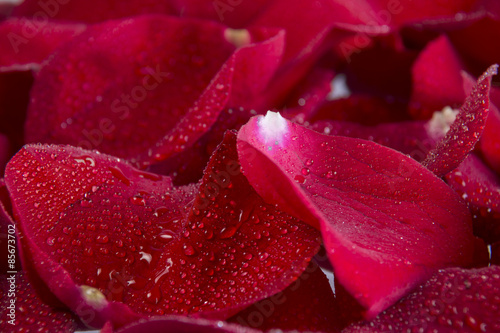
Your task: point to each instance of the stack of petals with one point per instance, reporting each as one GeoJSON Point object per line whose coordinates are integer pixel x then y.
{"type": "Point", "coordinates": [243, 166]}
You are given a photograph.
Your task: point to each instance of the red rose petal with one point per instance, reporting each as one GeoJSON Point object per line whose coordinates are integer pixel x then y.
{"type": "Point", "coordinates": [308, 304]}
{"type": "Point", "coordinates": [176, 324]}
{"type": "Point", "coordinates": [230, 251]}
{"type": "Point", "coordinates": [465, 132]}
{"type": "Point", "coordinates": [363, 109]}
{"type": "Point", "coordinates": [414, 138]}
{"type": "Point", "coordinates": [26, 43]}
{"type": "Point", "coordinates": [437, 81]}
{"type": "Point", "coordinates": [490, 141]}
{"type": "Point", "coordinates": [30, 313]}
{"type": "Point", "coordinates": [88, 10]}
{"type": "Point", "coordinates": [14, 98]}
{"type": "Point", "coordinates": [168, 94]}
{"type": "Point", "coordinates": [480, 187]}
{"type": "Point", "coordinates": [386, 221]}
{"type": "Point", "coordinates": [453, 300]}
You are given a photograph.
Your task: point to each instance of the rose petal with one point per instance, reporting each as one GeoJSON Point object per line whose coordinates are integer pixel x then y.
{"type": "Point", "coordinates": [386, 221]}
{"type": "Point", "coordinates": [363, 109]}
{"type": "Point", "coordinates": [90, 11]}
{"type": "Point", "coordinates": [162, 252]}
{"type": "Point", "coordinates": [490, 141]}
{"type": "Point", "coordinates": [14, 97]}
{"type": "Point", "coordinates": [176, 324]}
{"type": "Point", "coordinates": [168, 94]}
{"type": "Point", "coordinates": [453, 300]}
{"type": "Point", "coordinates": [495, 254]}
{"type": "Point", "coordinates": [26, 43]}
{"type": "Point", "coordinates": [308, 304]}
{"type": "Point", "coordinates": [437, 81]}
{"type": "Point", "coordinates": [30, 313]}
{"type": "Point", "coordinates": [465, 132]}
{"type": "Point", "coordinates": [480, 187]}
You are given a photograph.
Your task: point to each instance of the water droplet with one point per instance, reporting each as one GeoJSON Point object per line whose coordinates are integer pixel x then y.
{"type": "Point", "coordinates": [117, 173]}
{"type": "Point", "coordinates": [138, 200]}
{"type": "Point", "coordinates": [51, 241]}
{"type": "Point", "coordinates": [189, 249]}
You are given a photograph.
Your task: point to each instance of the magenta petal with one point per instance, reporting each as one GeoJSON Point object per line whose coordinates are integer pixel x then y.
{"type": "Point", "coordinates": [387, 222]}
{"type": "Point", "coordinates": [26, 43]}
{"type": "Point", "coordinates": [465, 132]}
{"type": "Point", "coordinates": [480, 187]}
{"type": "Point", "coordinates": [30, 313]}
{"type": "Point", "coordinates": [165, 249]}
{"type": "Point", "coordinates": [308, 304]}
{"type": "Point", "coordinates": [437, 81]}
{"type": "Point", "coordinates": [453, 300]}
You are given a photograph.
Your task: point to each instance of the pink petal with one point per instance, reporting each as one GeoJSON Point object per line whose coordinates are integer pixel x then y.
{"type": "Point", "coordinates": [490, 141]}
{"type": "Point", "coordinates": [465, 132]}
{"type": "Point", "coordinates": [453, 300]}
{"type": "Point", "coordinates": [213, 250]}
{"type": "Point", "coordinates": [30, 313]}
{"type": "Point", "coordinates": [387, 222]}
{"type": "Point", "coordinates": [308, 304]}
{"type": "Point", "coordinates": [27, 43]}
{"type": "Point", "coordinates": [480, 187]}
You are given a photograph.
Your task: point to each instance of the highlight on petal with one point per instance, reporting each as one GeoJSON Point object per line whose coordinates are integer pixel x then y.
{"type": "Point", "coordinates": [90, 222]}
{"type": "Point", "coordinates": [453, 300]}
{"type": "Point", "coordinates": [387, 222]}
{"type": "Point", "coordinates": [466, 131]}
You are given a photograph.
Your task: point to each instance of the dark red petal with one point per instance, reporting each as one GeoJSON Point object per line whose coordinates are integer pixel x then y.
{"type": "Point", "coordinates": [414, 138]}
{"type": "Point", "coordinates": [125, 101]}
{"type": "Point", "coordinates": [14, 98]}
{"type": "Point", "coordinates": [387, 222]}
{"type": "Point", "coordinates": [90, 11]}
{"type": "Point", "coordinates": [176, 324]}
{"type": "Point", "coordinates": [363, 109]}
{"type": "Point", "coordinates": [91, 220]}
{"type": "Point", "coordinates": [465, 132]}
{"type": "Point", "coordinates": [27, 43]}
{"type": "Point", "coordinates": [437, 79]}
{"type": "Point", "coordinates": [495, 253]}
{"type": "Point", "coordinates": [29, 313]}
{"type": "Point", "coordinates": [490, 140]}
{"type": "Point", "coordinates": [480, 187]}
{"type": "Point", "coordinates": [308, 304]}
{"type": "Point", "coordinates": [453, 300]}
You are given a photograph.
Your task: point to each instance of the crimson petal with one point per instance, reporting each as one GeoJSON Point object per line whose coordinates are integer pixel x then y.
{"type": "Point", "coordinates": [27, 43]}
{"type": "Point", "coordinates": [308, 304]}
{"type": "Point", "coordinates": [480, 187]}
{"type": "Point", "coordinates": [93, 95]}
{"type": "Point", "coordinates": [465, 132]}
{"type": "Point", "coordinates": [176, 324]}
{"type": "Point", "coordinates": [437, 81]}
{"type": "Point", "coordinates": [29, 312]}
{"type": "Point", "coordinates": [165, 249]}
{"type": "Point", "coordinates": [387, 222]}
{"type": "Point", "coordinates": [453, 300]}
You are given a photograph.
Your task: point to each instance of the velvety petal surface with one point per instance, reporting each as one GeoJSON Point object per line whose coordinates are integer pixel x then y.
{"type": "Point", "coordinates": [27, 43]}
{"type": "Point", "coordinates": [387, 222]}
{"type": "Point", "coordinates": [129, 236]}
{"type": "Point", "coordinates": [30, 313]}
{"type": "Point", "coordinates": [308, 304]}
{"type": "Point", "coordinates": [453, 300]}
{"type": "Point", "coordinates": [480, 187]}
{"type": "Point", "coordinates": [147, 80]}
